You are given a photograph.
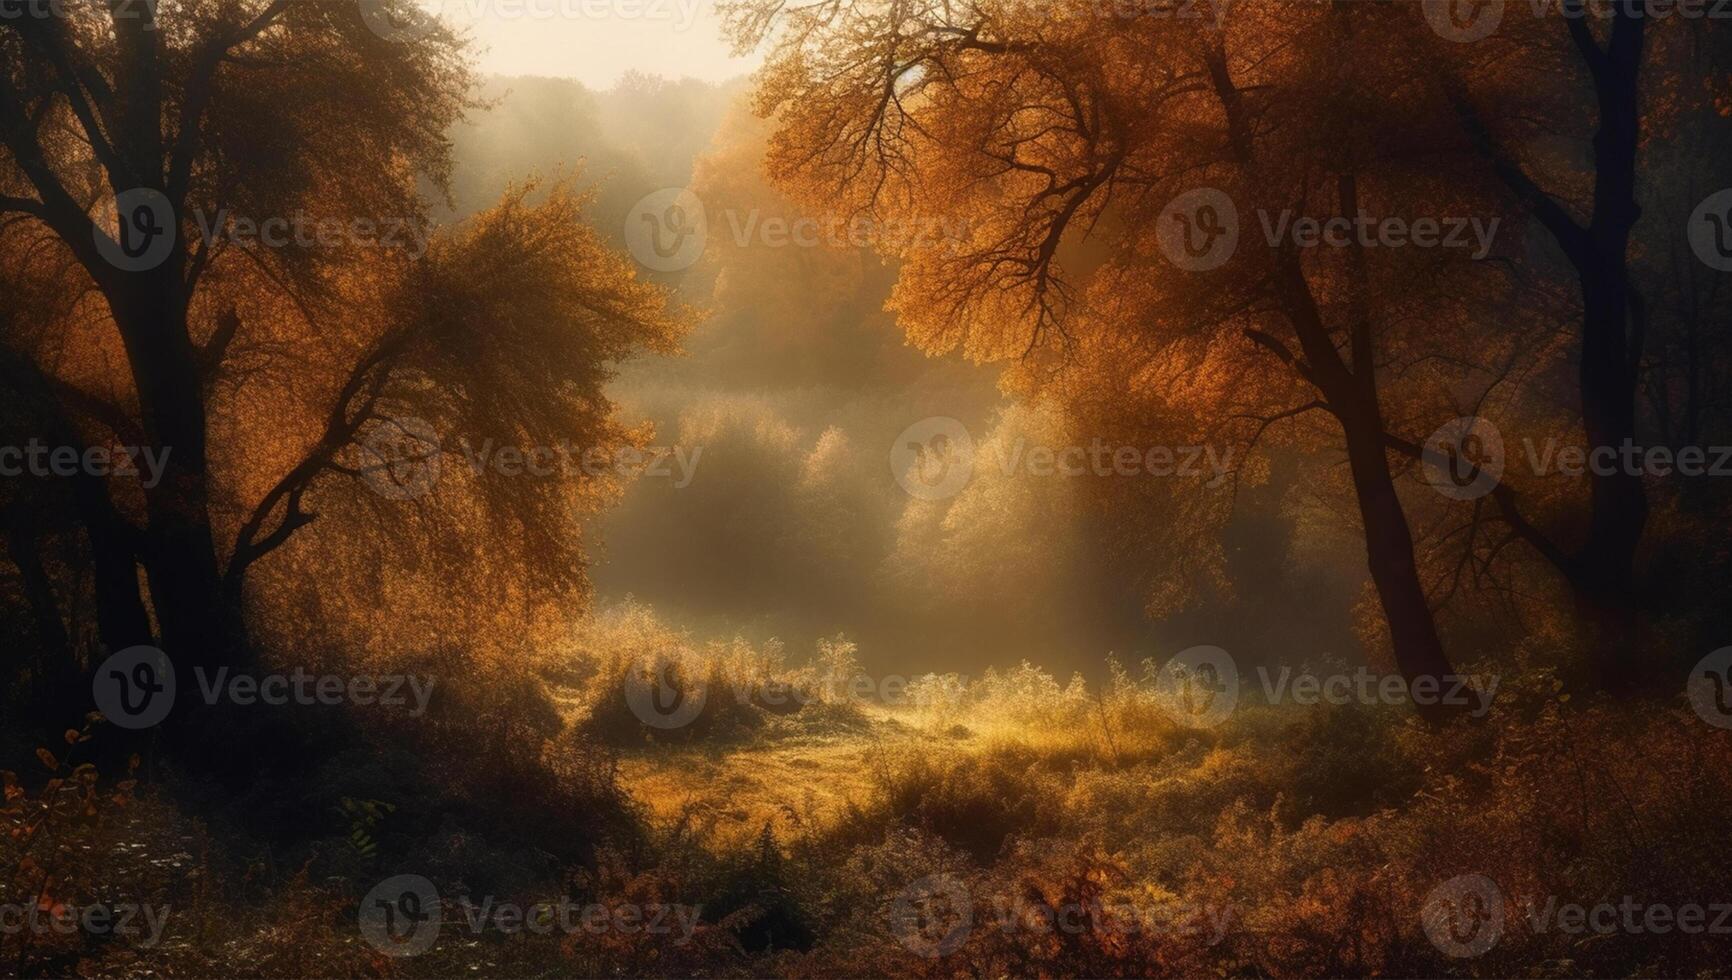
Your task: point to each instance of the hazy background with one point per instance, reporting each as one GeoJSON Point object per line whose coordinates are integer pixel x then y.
{"type": "Point", "coordinates": [597, 41]}
{"type": "Point", "coordinates": [795, 387]}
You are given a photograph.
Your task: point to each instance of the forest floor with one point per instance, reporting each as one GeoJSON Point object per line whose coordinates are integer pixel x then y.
{"type": "Point", "coordinates": [787, 772]}
{"type": "Point", "coordinates": [1029, 835]}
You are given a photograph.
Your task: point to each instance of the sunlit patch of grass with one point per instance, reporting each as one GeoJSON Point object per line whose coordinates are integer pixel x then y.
{"type": "Point", "coordinates": [782, 779]}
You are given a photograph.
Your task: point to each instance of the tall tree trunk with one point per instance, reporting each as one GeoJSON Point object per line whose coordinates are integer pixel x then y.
{"type": "Point", "coordinates": [54, 654]}
{"type": "Point", "coordinates": [180, 551]}
{"type": "Point", "coordinates": [1352, 396]}
{"type": "Point", "coordinates": [1601, 572]}
{"type": "Point", "coordinates": [121, 619]}
{"type": "Point", "coordinates": [1389, 555]}
{"type": "Point", "coordinates": [1612, 325]}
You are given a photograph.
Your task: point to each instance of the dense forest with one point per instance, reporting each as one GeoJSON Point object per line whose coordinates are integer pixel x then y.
{"type": "Point", "coordinates": [993, 488]}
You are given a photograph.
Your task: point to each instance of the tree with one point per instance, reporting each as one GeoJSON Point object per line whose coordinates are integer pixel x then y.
{"type": "Point", "coordinates": [1061, 134]}
{"type": "Point", "coordinates": [259, 364]}
{"type": "Point", "coordinates": [1598, 90]}
{"type": "Point", "coordinates": [1093, 150]}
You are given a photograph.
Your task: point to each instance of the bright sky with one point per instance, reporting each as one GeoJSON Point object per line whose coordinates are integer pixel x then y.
{"type": "Point", "coordinates": [595, 41]}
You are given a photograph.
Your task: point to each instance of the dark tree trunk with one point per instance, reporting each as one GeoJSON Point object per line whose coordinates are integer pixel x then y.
{"type": "Point", "coordinates": [1389, 554]}
{"type": "Point", "coordinates": [54, 655]}
{"type": "Point", "coordinates": [1611, 353]}
{"type": "Point", "coordinates": [179, 554]}
{"type": "Point", "coordinates": [1352, 395]}
{"type": "Point", "coordinates": [1601, 572]}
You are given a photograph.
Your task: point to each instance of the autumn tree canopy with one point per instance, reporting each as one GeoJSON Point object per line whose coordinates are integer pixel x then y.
{"type": "Point", "coordinates": [1077, 143]}
{"type": "Point", "coordinates": [213, 217]}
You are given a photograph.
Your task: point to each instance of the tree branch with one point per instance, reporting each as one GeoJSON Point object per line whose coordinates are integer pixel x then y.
{"type": "Point", "coordinates": [1509, 511]}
